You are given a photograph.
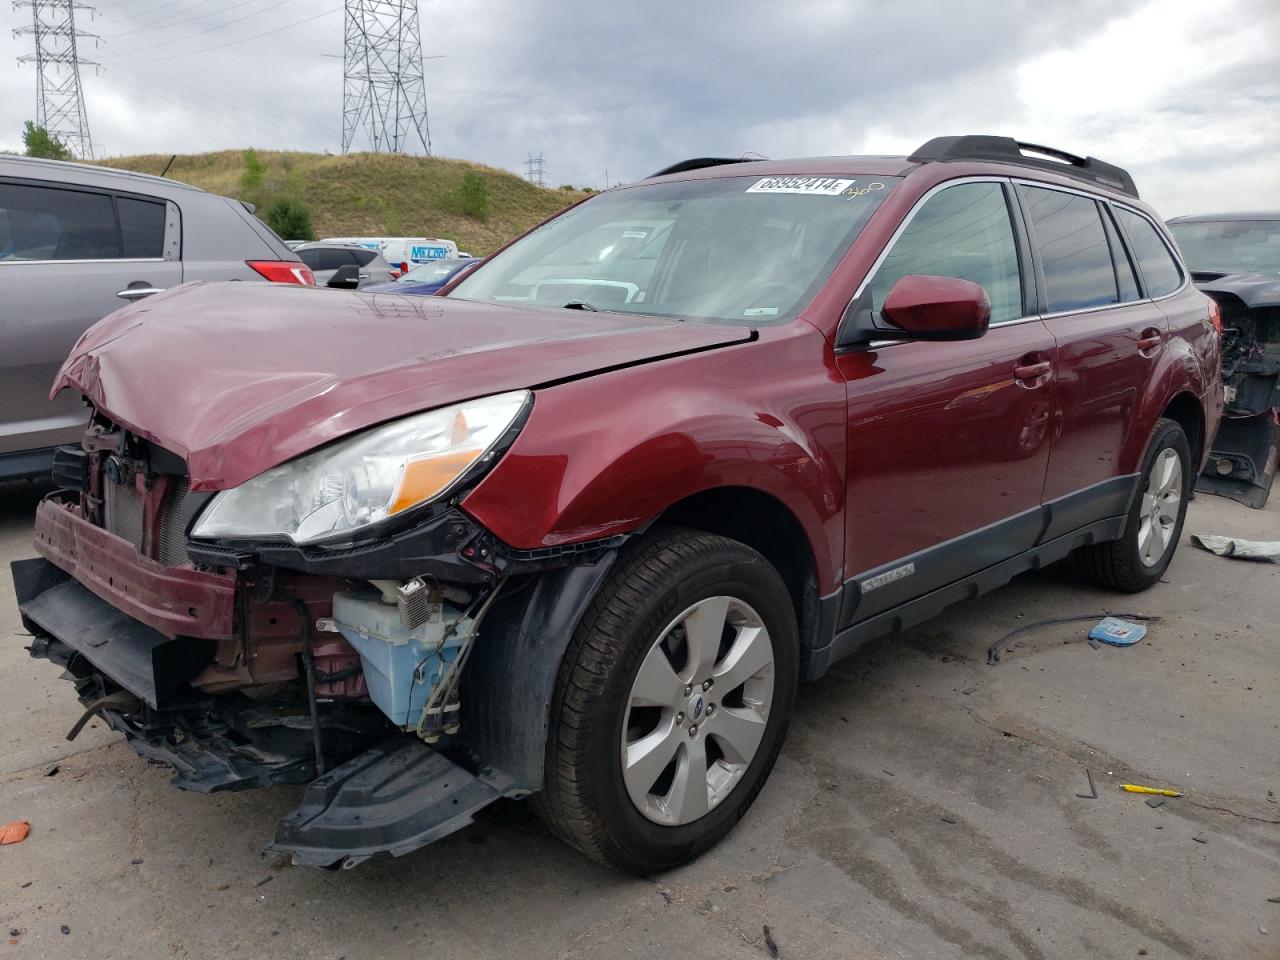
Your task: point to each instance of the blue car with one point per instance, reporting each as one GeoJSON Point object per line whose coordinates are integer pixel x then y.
{"type": "Point", "coordinates": [426, 279]}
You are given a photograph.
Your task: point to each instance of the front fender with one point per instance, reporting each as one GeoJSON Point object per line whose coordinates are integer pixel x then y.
{"type": "Point", "coordinates": [606, 455]}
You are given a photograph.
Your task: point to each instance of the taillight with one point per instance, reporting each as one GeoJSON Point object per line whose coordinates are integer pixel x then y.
{"type": "Point", "coordinates": [284, 271]}
{"type": "Point", "coordinates": [404, 267]}
{"type": "Point", "coordinates": [1215, 315]}
{"type": "Point", "coordinates": [396, 273]}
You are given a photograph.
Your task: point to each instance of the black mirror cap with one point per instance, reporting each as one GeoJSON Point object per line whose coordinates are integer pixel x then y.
{"type": "Point", "coordinates": [346, 277]}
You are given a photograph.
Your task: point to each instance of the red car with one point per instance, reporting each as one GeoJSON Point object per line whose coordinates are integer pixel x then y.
{"type": "Point", "coordinates": [578, 528]}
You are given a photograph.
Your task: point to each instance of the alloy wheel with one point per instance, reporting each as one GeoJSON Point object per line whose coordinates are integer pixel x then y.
{"type": "Point", "coordinates": [697, 711]}
{"type": "Point", "coordinates": [1161, 501]}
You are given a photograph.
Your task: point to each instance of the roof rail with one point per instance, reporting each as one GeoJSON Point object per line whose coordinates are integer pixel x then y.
{"type": "Point", "coordinates": [697, 163]}
{"type": "Point", "coordinates": [1008, 150]}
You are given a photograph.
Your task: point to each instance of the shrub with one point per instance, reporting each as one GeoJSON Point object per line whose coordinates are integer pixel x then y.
{"type": "Point", "coordinates": [40, 143]}
{"type": "Point", "coordinates": [473, 196]}
{"type": "Point", "coordinates": [290, 219]}
{"type": "Point", "coordinates": [254, 169]}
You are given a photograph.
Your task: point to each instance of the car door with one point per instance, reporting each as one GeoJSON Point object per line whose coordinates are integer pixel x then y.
{"type": "Point", "coordinates": [68, 256]}
{"type": "Point", "coordinates": [1109, 339]}
{"type": "Point", "coordinates": [947, 442]}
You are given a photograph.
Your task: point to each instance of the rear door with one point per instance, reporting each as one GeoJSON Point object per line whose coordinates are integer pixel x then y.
{"type": "Point", "coordinates": [66, 255]}
{"type": "Point", "coordinates": [1109, 337]}
{"type": "Point", "coordinates": [947, 442]}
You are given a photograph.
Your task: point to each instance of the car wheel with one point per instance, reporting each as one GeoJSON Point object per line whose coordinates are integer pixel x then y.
{"type": "Point", "coordinates": [672, 702]}
{"type": "Point", "coordinates": [1154, 525]}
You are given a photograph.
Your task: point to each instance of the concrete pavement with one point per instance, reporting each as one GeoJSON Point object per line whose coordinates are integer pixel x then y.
{"type": "Point", "coordinates": [924, 807]}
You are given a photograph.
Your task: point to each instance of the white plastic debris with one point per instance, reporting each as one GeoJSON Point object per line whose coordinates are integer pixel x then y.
{"type": "Point", "coordinates": [1243, 549]}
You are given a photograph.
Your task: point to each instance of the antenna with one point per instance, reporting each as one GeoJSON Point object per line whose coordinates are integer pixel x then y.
{"type": "Point", "coordinates": [535, 170]}
{"type": "Point", "coordinates": [59, 97]}
{"type": "Point", "coordinates": [384, 95]}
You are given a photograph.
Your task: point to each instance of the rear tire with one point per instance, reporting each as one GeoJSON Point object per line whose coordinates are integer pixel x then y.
{"type": "Point", "coordinates": [1154, 524]}
{"type": "Point", "coordinates": [609, 788]}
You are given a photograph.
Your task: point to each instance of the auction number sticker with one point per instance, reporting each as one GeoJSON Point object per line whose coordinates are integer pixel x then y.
{"type": "Point", "coordinates": [822, 186]}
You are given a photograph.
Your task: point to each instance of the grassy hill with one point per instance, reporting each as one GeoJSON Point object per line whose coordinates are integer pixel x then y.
{"type": "Point", "coordinates": [371, 194]}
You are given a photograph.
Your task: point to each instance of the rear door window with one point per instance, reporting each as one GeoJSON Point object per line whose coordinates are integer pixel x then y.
{"type": "Point", "coordinates": [141, 227]}
{"type": "Point", "coordinates": [363, 257]}
{"type": "Point", "coordinates": [45, 223]}
{"type": "Point", "coordinates": [1074, 253]}
{"type": "Point", "coordinates": [962, 231]}
{"type": "Point", "coordinates": [1160, 271]}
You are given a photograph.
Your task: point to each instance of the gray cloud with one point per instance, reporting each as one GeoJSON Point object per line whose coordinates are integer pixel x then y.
{"type": "Point", "coordinates": [632, 87]}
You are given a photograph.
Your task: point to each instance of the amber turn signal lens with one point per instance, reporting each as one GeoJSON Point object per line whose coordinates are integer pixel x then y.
{"type": "Point", "coordinates": [426, 478]}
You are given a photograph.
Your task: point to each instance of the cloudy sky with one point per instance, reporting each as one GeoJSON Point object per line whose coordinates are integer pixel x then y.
{"type": "Point", "coordinates": [1183, 93]}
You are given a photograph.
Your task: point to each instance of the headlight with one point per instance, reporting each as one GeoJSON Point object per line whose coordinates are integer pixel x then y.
{"type": "Point", "coordinates": [372, 476]}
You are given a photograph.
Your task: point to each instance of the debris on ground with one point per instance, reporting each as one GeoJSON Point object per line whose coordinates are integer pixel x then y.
{"type": "Point", "coordinates": [265, 880]}
{"type": "Point", "coordinates": [1154, 791]}
{"type": "Point", "coordinates": [135, 861]}
{"type": "Point", "coordinates": [1156, 802]}
{"type": "Point", "coordinates": [769, 943]}
{"type": "Point", "coordinates": [1273, 899]}
{"type": "Point", "coordinates": [15, 831]}
{"type": "Point", "coordinates": [1239, 549]}
{"type": "Point", "coordinates": [1118, 633]}
{"type": "Point", "coordinates": [1093, 787]}
{"type": "Point", "coordinates": [66, 931]}
{"type": "Point", "coordinates": [1199, 839]}
{"type": "Point", "coordinates": [994, 651]}
{"type": "Point", "coordinates": [53, 770]}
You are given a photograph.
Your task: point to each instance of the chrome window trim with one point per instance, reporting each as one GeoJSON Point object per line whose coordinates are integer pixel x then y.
{"type": "Point", "coordinates": [1186, 276]}
{"type": "Point", "coordinates": [906, 222]}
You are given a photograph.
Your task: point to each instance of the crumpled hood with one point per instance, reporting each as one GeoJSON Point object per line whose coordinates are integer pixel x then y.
{"type": "Point", "coordinates": [239, 377]}
{"type": "Point", "coordinates": [1254, 289]}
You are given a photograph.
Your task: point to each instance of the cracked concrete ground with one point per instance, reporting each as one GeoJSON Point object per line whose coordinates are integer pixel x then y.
{"type": "Point", "coordinates": [924, 807]}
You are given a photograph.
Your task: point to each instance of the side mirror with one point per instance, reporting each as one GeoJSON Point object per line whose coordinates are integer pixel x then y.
{"type": "Point", "coordinates": [346, 277]}
{"type": "Point", "coordinates": [920, 308]}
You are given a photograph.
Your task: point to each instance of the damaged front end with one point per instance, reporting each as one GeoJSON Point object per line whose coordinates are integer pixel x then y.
{"type": "Point", "coordinates": [348, 668]}
{"type": "Point", "coordinates": [1243, 456]}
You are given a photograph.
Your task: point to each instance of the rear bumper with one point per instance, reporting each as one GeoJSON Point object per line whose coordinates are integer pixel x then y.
{"type": "Point", "coordinates": [173, 601]}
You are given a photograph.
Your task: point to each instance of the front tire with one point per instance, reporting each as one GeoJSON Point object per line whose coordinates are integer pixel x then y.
{"type": "Point", "coordinates": [1154, 525]}
{"type": "Point", "coordinates": [672, 702]}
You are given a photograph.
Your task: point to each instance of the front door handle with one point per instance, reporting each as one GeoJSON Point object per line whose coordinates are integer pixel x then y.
{"type": "Point", "coordinates": [1149, 341]}
{"type": "Point", "coordinates": [1032, 371]}
{"type": "Point", "coordinates": [137, 293]}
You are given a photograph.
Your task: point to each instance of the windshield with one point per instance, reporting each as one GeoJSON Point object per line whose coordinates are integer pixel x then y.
{"type": "Point", "coordinates": [1230, 246]}
{"type": "Point", "coordinates": [433, 272]}
{"type": "Point", "coordinates": [726, 249]}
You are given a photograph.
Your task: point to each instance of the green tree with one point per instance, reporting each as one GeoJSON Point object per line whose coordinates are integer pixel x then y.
{"type": "Point", "coordinates": [473, 196]}
{"type": "Point", "coordinates": [41, 143]}
{"type": "Point", "coordinates": [290, 219]}
{"type": "Point", "coordinates": [254, 169]}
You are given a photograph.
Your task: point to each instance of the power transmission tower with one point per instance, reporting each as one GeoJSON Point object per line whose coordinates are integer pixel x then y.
{"type": "Point", "coordinates": [59, 97]}
{"type": "Point", "coordinates": [535, 170]}
{"type": "Point", "coordinates": [383, 92]}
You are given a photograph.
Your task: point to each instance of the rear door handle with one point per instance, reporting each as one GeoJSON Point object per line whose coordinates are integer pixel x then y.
{"type": "Point", "coordinates": [1149, 340]}
{"type": "Point", "coordinates": [137, 293]}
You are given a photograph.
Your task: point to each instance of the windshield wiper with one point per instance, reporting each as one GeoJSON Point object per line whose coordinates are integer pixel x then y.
{"type": "Point", "coordinates": [580, 305]}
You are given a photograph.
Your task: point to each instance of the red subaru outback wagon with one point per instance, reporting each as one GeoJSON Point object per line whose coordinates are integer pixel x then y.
{"type": "Point", "coordinates": [576, 529]}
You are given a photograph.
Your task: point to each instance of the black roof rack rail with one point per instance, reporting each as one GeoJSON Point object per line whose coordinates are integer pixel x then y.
{"type": "Point", "coordinates": [1008, 150]}
{"type": "Point", "coordinates": [697, 163]}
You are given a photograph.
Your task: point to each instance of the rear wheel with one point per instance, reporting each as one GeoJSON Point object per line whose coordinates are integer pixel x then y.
{"type": "Point", "coordinates": [1140, 557]}
{"type": "Point", "coordinates": [672, 702]}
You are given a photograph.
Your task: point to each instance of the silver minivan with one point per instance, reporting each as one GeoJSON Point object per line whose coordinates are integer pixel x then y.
{"type": "Point", "coordinates": [78, 241]}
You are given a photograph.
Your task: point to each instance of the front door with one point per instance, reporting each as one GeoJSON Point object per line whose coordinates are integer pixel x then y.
{"type": "Point", "coordinates": [948, 442]}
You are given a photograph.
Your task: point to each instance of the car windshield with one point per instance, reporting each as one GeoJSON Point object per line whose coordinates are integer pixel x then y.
{"type": "Point", "coordinates": [724, 249]}
{"type": "Point", "coordinates": [433, 272]}
{"type": "Point", "coordinates": [1230, 246]}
